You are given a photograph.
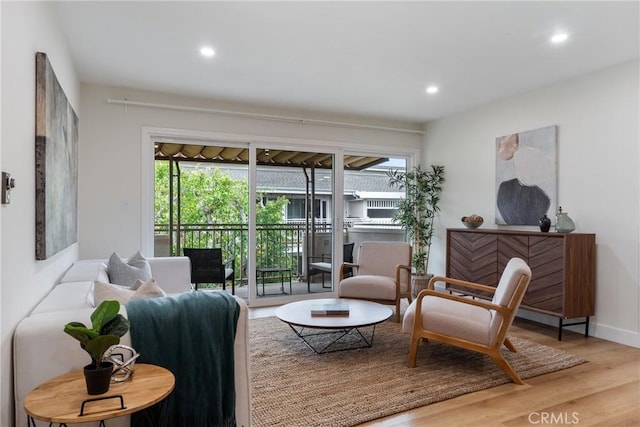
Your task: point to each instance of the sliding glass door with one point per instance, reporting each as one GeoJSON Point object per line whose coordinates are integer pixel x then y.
{"type": "Point", "coordinates": [284, 217]}
{"type": "Point", "coordinates": [294, 223]}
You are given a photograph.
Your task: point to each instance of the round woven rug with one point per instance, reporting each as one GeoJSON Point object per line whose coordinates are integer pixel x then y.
{"type": "Point", "coordinates": [293, 386]}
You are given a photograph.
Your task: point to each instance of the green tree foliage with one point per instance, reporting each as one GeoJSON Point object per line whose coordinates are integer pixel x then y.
{"type": "Point", "coordinates": [210, 196]}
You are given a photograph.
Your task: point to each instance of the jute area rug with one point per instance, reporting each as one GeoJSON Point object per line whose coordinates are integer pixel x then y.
{"type": "Point", "coordinates": [294, 387]}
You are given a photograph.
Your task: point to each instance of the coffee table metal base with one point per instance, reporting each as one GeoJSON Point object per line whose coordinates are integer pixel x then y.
{"type": "Point", "coordinates": [347, 330]}
{"type": "Point", "coordinates": [361, 340]}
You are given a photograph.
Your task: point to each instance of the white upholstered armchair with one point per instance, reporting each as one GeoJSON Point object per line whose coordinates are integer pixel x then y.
{"type": "Point", "coordinates": [382, 274]}
{"type": "Point", "coordinates": [469, 323]}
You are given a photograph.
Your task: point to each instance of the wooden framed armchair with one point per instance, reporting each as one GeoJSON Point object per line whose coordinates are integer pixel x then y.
{"type": "Point", "coordinates": [472, 324]}
{"type": "Point", "coordinates": [382, 274]}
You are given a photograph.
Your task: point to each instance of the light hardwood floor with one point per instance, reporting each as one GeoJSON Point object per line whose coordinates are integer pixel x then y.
{"type": "Point", "coordinates": [605, 391]}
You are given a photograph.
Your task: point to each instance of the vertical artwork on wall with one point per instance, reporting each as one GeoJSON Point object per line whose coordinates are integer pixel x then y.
{"type": "Point", "coordinates": [56, 164]}
{"type": "Point", "coordinates": [526, 176]}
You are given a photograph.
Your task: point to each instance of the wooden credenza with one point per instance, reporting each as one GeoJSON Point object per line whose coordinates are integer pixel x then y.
{"type": "Point", "coordinates": [563, 268]}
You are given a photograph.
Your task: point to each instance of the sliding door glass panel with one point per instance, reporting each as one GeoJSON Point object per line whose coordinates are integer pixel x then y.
{"type": "Point", "coordinates": [293, 221]}
{"type": "Point", "coordinates": [200, 203]}
{"type": "Point", "coordinates": [369, 201]}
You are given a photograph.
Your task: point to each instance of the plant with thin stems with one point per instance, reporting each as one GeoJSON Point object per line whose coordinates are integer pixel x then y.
{"type": "Point", "coordinates": [417, 210]}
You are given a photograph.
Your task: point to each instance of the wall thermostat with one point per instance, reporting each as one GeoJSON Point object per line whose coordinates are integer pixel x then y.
{"type": "Point", "coordinates": [7, 184]}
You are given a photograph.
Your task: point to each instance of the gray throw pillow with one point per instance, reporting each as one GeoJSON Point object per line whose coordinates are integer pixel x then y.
{"type": "Point", "coordinates": [126, 273]}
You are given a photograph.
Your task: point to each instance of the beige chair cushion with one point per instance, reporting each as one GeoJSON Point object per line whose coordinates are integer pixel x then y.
{"type": "Point", "coordinates": [514, 269]}
{"type": "Point", "coordinates": [509, 280]}
{"type": "Point", "coordinates": [452, 318]}
{"type": "Point", "coordinates": [466, 321]}
{"type": "Point", "coordinates": [381, 258]}
{"type": "Point", "coordinates": [368, 286]}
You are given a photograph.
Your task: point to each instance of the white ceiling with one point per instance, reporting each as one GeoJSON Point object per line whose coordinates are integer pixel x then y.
{"type": "Point", "coordinates": [359, 57]}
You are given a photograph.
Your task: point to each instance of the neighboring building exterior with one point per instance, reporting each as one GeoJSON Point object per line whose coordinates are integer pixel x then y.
{"type": "Point", "coordinates": [368, 198]}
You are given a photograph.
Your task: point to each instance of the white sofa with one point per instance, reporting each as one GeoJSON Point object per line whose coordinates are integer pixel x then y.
{"type": "Point", "coordinates": [42, 350]}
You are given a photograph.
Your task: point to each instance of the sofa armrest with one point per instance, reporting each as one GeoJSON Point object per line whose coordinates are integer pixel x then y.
{"type": "Point", "coordinates": [241, 367]}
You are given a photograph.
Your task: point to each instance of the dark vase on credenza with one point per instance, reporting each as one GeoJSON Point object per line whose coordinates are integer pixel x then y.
{"type": "Point", "coordinates": [545, 223]}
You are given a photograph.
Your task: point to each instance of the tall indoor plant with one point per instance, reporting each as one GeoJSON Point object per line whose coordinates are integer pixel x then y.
{"type": "Point", "coordinates": [417, 210]}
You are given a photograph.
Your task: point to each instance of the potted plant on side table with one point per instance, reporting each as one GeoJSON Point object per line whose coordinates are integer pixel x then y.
{"type": "Point", "coordinates": [107, 326]}
{"type": "Point", "coordinates": [416, 213]}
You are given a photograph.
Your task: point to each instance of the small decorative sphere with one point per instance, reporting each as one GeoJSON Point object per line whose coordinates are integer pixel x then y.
{"type": "Point", "coordinates": [472, 221]}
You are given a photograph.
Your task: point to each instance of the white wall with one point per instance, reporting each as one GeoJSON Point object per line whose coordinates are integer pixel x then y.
{"type": "Point", "coordinates": [2, 360]}
{"type": "Point", "coordinates": [111, 154]}
{"type": "Point", "coordinates": [27, 27]}
{"type": "Point", "coordinates": [598, 118]}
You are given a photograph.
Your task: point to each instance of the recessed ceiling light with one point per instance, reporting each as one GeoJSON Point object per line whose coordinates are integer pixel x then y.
{"type": "Point", "coordinates": [432, 89]}
{"type": "Point", "coordinates": [207, 52]}
{"type": "Point", "coordinates": [559, 37]}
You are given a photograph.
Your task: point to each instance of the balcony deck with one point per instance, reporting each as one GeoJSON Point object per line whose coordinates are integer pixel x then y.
{"type": "Point", "coordinates": [272, 289]}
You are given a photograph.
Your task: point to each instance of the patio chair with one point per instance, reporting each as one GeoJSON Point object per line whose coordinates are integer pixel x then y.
{"type": "Point", "coordinates": [382, 274]}
{"type": "Point", "coordinates": [207, 267]}
{"type": "Point", "coordinates": [322, 265]}
{"type": "Point", "coordinates": [469, 323]}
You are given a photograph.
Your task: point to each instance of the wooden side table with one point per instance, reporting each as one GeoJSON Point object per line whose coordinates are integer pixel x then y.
{"type": "Point", "coordinates": [64, 399]}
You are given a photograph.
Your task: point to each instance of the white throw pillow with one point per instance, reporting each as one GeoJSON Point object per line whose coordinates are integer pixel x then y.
{"type": "Point", "coordinates": [123, 294]}
{"type": "Point", "coordinates": [148, 289]}
{"type": "Point", "coordinates": [125, 273]}
{"type": "Point", "coordinates": [109, 291]}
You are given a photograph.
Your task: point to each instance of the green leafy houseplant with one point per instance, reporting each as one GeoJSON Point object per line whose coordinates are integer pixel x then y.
{"type": "Point", "coordinates": [107, 326]}
{"type": "Point", "coordinates": [417, 210]}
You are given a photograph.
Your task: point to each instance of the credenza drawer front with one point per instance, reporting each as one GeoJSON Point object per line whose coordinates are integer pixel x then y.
{"type": "Point", "coordinates": [472, 257]}
{"type": "Point", "coordinates": [546, 289]}
{"type": "Point", "coordinates": [562, 266]}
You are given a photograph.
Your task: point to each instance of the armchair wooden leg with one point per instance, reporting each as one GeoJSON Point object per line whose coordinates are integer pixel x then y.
{"type": "Point", "coordinates": [502, 363]}
{"type": "Point", "coordinates": [509, 345]}
{"type": "Point", "coordinates": [398, 311]}
{"type": "Point", "coordinates": [413, 351]}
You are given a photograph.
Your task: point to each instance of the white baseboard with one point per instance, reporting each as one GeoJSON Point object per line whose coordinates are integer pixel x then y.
{"type": "Point", "coordinates": [621, 336]}
{"type": "Point", "coordinates": [609, 333]}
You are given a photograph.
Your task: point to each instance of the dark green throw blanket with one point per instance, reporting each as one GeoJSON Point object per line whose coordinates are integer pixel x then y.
{"type": "Point", "coordinates": [192, 335]}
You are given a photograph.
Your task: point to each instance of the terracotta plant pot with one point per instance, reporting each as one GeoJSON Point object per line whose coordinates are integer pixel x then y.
{"type": "Point", "coordinates": [98, 379]}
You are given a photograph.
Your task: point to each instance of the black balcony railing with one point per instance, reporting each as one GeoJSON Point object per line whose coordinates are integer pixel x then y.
{"type": "Point", "coordinates": [278, 245]}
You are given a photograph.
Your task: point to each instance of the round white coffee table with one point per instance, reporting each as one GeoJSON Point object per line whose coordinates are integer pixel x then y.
{"type": "Point", "coordinates": [361, 314]}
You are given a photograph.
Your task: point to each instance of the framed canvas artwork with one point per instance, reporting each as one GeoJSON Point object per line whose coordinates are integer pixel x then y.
{"type": "Point", "coordinates": [526, 176]}
{"type": "Point", "coordinates": [56, 164]}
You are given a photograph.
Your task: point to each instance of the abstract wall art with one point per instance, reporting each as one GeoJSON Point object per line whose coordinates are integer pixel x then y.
{"type": "Point", "coordinates": [526, 176]}
{"type": "Point", "coordinates": [56, 164]}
